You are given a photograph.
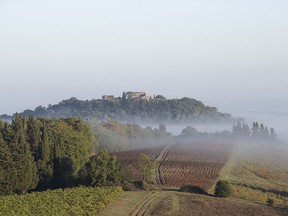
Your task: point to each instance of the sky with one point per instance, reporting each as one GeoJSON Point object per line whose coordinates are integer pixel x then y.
{"type": "Point", "coordinates": [224, 53]}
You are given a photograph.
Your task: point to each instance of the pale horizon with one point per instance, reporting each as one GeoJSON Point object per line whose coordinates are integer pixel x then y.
{"type": "Point", "coordinates": [225, 54]}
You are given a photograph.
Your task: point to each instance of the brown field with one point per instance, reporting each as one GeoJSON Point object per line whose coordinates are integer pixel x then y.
{"type": "Point", "coordinates": [128, 159]}
{"type": "Point", "coordinates": [256, 173]}
{"type": "Point", "coordinates": [198, 164]}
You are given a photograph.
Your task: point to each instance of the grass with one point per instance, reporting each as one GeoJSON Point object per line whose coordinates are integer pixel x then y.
{"type": "Point", "coordinates": [258, 196]}
{"type": "Point", "coordinates": [258, 172]}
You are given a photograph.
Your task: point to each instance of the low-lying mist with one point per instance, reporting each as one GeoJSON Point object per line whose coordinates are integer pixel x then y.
{"type": "Point", "coordinates": [272, 112]}
{"type": "Point", "coordinates": [117, 136]}
{"type": "Point", "coordinates": [278, 121]}
{"type": "Point", "coordinates": [176, 129]}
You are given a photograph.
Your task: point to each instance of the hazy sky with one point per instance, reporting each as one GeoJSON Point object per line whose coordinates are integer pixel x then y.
{"type": "Point", "coordinates": [214, 51]}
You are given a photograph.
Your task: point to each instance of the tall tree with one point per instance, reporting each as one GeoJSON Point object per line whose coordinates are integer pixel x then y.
{"type": "Point", "coordinates": [22, 157]}
{"type": "Point", "coordinates": [45, 149]}
{"type": "Point", "coordinates": [255, 129]}
{"type": "Point", "coordinates": [262, 130]}
{"type": "Point", "coordinates": [44, 164]}
{"type": "Point", "coordinates": [273, 133]}
{"type": "Point", "coordinates": [7, 171]}
{"type": "Point", "coordinates": [145, 167]}
{"type": "Point", "coordinates": [104, 169]}
{"type": "Point", "coordinates": [33, 137]}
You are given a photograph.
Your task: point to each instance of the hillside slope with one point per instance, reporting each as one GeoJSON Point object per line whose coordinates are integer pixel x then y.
{"type": "Point", "coordinates": [169, 202]}
{"type": "Point", "coordinates": [136, 110]}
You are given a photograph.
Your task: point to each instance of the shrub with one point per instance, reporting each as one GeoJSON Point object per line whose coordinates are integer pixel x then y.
{"type": "Point", "coordinates": [270, 201]}
{"type": "Point", "coordinates": [192, 189]}
{"type": "Point", "coordinates": [223, 189]}
{"type": "Point", "coordinates": [129, 187]}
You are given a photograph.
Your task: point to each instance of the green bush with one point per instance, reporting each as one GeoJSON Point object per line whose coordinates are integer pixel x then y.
{"type": "Point", "coordinates": [223, 189]}
{"type": "Point", "coordinates": [270, 201]}
{"type": "Point", "coordinates": [192, 189]}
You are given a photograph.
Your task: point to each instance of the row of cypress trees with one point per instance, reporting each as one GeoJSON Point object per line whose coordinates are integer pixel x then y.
{"type": "Point", "coordinates": [36, 154]}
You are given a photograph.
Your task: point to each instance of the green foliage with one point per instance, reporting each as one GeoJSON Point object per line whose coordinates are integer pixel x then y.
{"type": "Point", "coordinates": [25, 176]}
{"type": "Point", "coordinates": [76, 201]}
{"type": "Point", "coordinates": [223, 189]}
{"type": "Point", "coordinates": [242, 130]}
{"type": "Point", "coordinates": [7, 171]}
{"type": "Point", "coordinates": [42, 153]}
{"type": "Point", "coordinates": [104, 169]}
{"type": "Point", "coordinates": [192, 189]}
{"type": "Point", "coordinates": [145, 167]}
{"type": "Point", "coordinates": [259, 195]}
{"type": "Point", "coordinates": [189, 131]}
{"type": "Point", "coordinates": [153, 110]}
{"type": "Point", "coordinates": [270, 201]}
{"type": "Point", "coordinates": [45, 149]}
{"type": "Point", "coordinates": [34, 136]}
{"type": "Point", "coordinates": [115, 136]}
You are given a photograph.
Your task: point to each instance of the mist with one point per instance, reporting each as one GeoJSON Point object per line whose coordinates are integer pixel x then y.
{"type": "Point", "coordinates": [271, 112]}
{"type": "Point", "coordinates": [176, 129]}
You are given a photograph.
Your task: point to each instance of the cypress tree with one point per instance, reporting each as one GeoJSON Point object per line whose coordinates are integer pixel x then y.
{"type": "Point", "coordinates": [57, 165]}
{"type": "Point", "coordinates": [26, 171]}
{"type": "Point", "coordinates": [273, 134]}
{"type": "Point", "coordinates": [45, 149]}
{"type": "Point", "coordinates": [255, 129]}
{"type": "Point", "coordinates": [7, 171]}
{"type": "Point", "coordinates": [34, 137]}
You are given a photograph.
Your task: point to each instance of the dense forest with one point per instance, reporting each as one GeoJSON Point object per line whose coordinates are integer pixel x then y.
{"type": "Point", "coordinates": [157, 109]}
{"type": "Point", "coordinates": [40, 154]}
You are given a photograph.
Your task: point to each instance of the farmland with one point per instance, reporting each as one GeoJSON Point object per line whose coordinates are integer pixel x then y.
{"type": "Point", "coordinates": [256, 171]}
{"type": "Point", "coordinates": [198, 164]}
{"type": "Point", "coordinates": [169, 202]}
{"type": "Point", "coordinates": [255, 174]}
{"type": "Point", "coordinates": [259, 171]}
{"type": "Point", "coordinates": [75, 201]}
{"type": "Point", "coordinates": [128, 162]}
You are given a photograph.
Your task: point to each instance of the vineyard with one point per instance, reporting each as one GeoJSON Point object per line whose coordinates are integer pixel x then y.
{"type": "Point", "coordinates": [129, 157]}
{"type": "Point", "coordinates": [128, 162]}
{"type": "Point", "coordinates": [76, 201]}
{"type": "Point", "coordinates": [198, 164]}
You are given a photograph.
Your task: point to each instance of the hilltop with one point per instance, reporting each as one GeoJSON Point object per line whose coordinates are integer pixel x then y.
{"type": "Point", "coordinates": [132, 106]}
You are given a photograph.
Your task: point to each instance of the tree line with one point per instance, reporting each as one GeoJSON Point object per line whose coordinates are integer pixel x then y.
{"type": "Point", "coordinates": [259, 131]}
{"type": "Point", "coordinates": [155, 110]}
{"type": "Point", "coordinates": [40, 154]}
{"type": "Point", "coordinates": [116, 136]}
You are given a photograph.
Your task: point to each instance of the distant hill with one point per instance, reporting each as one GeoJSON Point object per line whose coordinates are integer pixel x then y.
{"type": "Point", "coordinates": [132, 107]}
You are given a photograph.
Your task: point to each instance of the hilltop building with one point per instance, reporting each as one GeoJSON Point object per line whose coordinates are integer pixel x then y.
{"type": "Point", "coordinates": [108, 97]}
{"type": "Point", "coordinates": [136, 95]}
{"type": "Point", "coordinates": [128, 95]}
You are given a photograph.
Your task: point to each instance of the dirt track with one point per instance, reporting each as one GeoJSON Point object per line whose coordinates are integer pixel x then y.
{"type": "Point", "coordinates": [143, 206]}
{"type": "Point", "coordinates": [159, 158]}
{"type": "Point", "coordinates": [171, 202]}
